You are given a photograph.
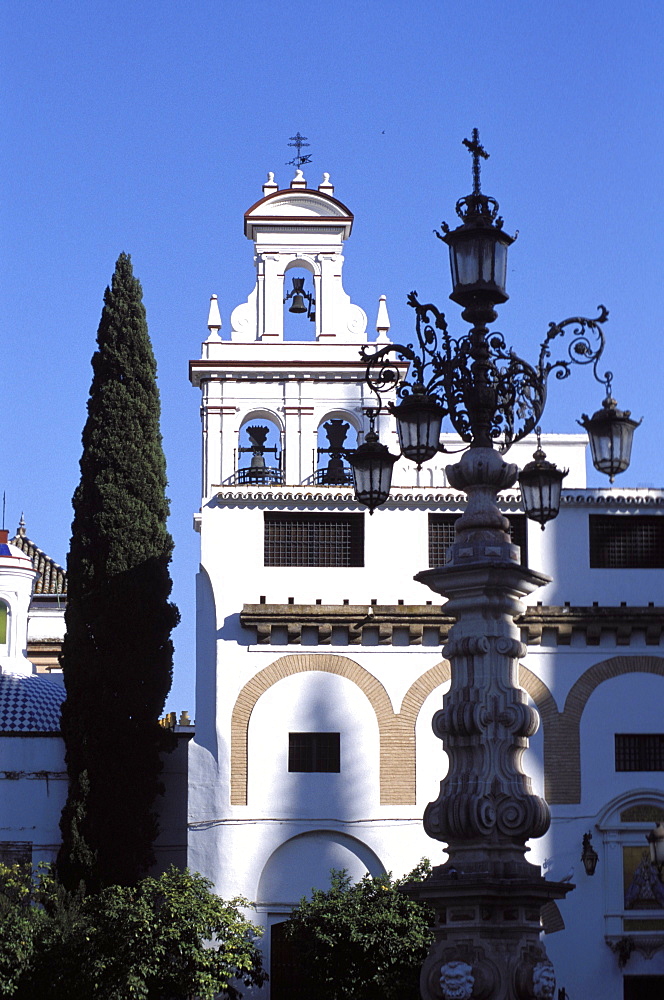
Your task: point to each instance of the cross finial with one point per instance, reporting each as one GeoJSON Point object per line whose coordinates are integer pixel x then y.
{"type": "Point", "coordinates": [476, 149]}
{"type": "Point", "coordinates": [298, 141]}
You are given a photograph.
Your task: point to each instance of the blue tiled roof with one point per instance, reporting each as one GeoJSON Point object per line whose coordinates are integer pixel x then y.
{"type": "Point", "coordinates": [30, 704]}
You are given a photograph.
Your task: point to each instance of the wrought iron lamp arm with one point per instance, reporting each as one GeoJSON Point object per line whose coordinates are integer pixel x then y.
{"type": "Point", "coordinates": [485, 388]}
{"type": "Point", "coordinates": [585, 347]}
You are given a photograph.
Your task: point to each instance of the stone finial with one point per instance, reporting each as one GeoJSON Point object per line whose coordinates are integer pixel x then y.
{"type": "Point", "coordinates": [298, 181]}
{"type": "Point", "coordinates": [382, 320]}
{"type": "Point", "coordinates": [20, 531]}
{"type": "Point", "coordinates": [214, 317]}
{"type": "Point", "coordinates": [270, 185]}
{"type": "Point", "coordinates": [325, 186]}
{"type": "Point", "coordinates": [184, 719]}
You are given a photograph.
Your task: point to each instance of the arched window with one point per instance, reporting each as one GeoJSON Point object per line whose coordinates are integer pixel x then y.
{"type": "Point", "coordinates": [634, 900]}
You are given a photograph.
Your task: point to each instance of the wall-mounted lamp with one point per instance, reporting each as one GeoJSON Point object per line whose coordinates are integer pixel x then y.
{"type": "Point", "coordinates": [589, 855]}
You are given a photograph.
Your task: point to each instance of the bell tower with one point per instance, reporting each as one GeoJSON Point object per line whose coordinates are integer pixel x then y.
{"type": "Point", "coordinates": [267, 397]}
{"type": "Point", "coordinates": [298, 228]}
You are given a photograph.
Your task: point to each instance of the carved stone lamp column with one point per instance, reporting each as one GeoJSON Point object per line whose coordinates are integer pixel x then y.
{"type": "Point", "coordinates": [487, 897]}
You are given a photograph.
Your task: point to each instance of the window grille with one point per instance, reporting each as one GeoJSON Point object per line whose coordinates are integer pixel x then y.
{"type": "Point", "coordinates": [314, 752]}
{"type": "Point", "coordinates": [625, 541]}
{"type": "Point", "coordinates": [441, 536]}
{"type": "Point", "coordinates": [639, 752]}
{"type": "Point", "coordinates": [314, 539]}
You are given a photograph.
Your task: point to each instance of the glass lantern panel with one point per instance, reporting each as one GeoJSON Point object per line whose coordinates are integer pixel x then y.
{"type": "Point", "coordinates": [485, 254]}
{"type": "Point", "coordinates": [500, 265]}
{"type": "Point", "coordinates": [468, 262]}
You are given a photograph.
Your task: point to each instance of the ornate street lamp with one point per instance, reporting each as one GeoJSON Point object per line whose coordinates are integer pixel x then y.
{"type": "Point", "coordinates": [487, 897]}
{"type": "Point", "coordinates": [491, 396]}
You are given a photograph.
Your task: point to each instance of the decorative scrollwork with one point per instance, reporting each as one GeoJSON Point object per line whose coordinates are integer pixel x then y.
{"type": "Point", "coordinates": [489, 393]}
{"type": "Point", "coordinates": [585, 346]}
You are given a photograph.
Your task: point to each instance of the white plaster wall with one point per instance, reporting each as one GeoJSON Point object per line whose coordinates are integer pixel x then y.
{"type": "Point", "coordinates": [47, 623]}
{"type": "Point", "coordinates": [309, 703]}
{"type": "Point", "coordinates": [631, 703]}
{"type": "Point", "coordinates": [33, 789]}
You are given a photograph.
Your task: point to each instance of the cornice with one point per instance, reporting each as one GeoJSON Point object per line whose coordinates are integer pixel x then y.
{"type": "Point", "coordinates": [559, 622]}
{"type": "Point", "coordinates": [409, 496]}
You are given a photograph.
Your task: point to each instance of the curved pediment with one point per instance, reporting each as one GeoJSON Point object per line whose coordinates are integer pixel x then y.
{"type": "Point", "coordinates": [298, 206]}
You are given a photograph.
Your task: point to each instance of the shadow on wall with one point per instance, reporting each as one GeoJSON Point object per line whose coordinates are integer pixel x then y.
{"type": "Point", "coordinates": [303, 863]}
{"type": "Point", "coordinates": [294, 776]}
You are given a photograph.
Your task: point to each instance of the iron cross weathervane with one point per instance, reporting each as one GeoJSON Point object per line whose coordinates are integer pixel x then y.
{"type": "Point", "coordinates": [298, 161]}
{"type": "Point", "coordinates": [476, 149]}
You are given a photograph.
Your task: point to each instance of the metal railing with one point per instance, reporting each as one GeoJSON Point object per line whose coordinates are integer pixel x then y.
{"type": "Point", "coordinates": [249, 475]}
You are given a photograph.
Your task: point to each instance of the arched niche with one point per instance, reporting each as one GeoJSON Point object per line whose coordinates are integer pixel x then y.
{"type": "Point", "coordinates": [300, 291]}
{"type": "Point", "coordinates": [336, 434]}
{"type": "Point", "coordinates": [259, 452]}
{"type": "Point", "coordinates": [304, 862]}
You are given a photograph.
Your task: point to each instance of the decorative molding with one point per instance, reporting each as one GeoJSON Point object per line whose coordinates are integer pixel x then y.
{"type": "Point", "coordinates": [623, 945]}
{"type": "Point", "coordinates": [407, 496]}
{"type": "Point", "coordinates": [367, 622]}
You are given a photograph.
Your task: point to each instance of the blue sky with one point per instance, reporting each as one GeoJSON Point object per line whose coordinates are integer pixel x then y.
{"type": "Point", "coordinates": [148, 126]}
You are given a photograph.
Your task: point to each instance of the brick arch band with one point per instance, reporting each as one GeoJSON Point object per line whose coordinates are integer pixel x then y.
{"type": "Point", "coordinates": [396, 729]}
{"type": "Point", "coordinates": [562, 730]}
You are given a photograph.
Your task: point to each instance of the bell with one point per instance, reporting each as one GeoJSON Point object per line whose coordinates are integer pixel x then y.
{"type": "Point", "coordinates": [298, 305]}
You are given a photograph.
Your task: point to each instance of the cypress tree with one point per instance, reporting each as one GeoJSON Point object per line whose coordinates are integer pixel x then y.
{"type": "Point", "coordinates": [117, 655]}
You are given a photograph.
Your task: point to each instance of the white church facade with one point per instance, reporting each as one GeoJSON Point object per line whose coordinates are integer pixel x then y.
{"type": "Point", "coordinates": [319, 663]}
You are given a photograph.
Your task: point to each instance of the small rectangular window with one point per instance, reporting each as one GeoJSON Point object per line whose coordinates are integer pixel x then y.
{"type": "Point", "coordinates": [626, 541]}
{"type": "Point", "coordinates": [314, 752]}
{"type": "Point", "coordinates": [314, 539]}
{"type": "Point", "coordinates": [639, 752]}
{"type": "Point", "coordinates": [441, 536]}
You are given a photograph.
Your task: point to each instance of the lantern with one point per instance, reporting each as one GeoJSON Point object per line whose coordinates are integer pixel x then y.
{"type": "Point", "coordinates": [589, 855]}
{"type": "Point", "coordinates": [419, 418]}
{"type": "Point", "coordinates": [541, 482]}
{"type": "Point", "coordinates": [610, 432]}
{"type": "Point", "coordinates": [372, 471]}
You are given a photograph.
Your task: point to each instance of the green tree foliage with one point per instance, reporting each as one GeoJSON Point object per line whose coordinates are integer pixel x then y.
{"type": "Point", "coordinates": [117, 654]}
{"type": "Point", "coordinates": [20, 926]}
{"type": "Point", "coordinates": [362, 941]}
{"type": "Point", "coordinates": [166, 938]}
